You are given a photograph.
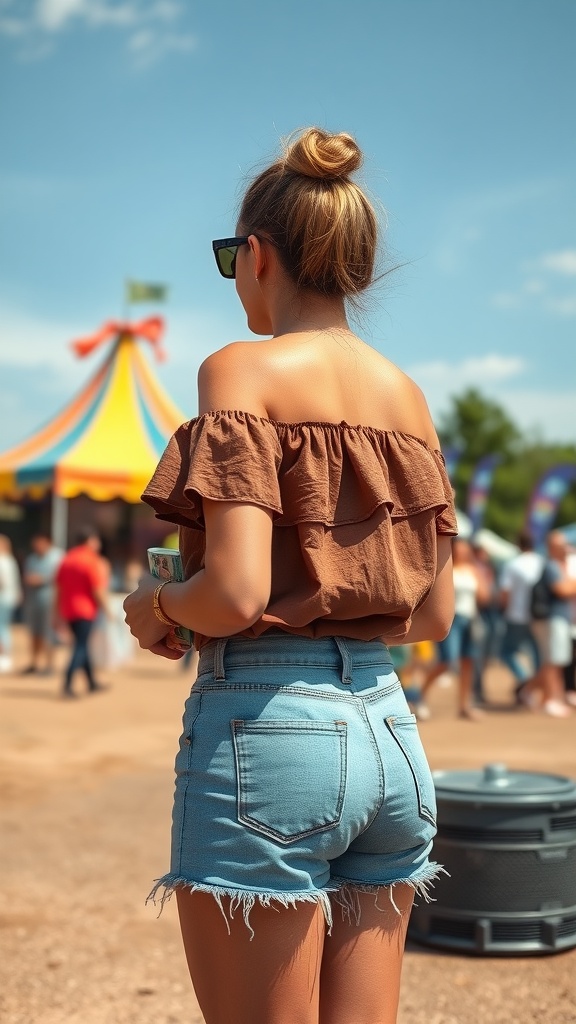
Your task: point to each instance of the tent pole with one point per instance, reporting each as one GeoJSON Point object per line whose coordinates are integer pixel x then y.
{"type": "Point", "coordinates": [59, 521]}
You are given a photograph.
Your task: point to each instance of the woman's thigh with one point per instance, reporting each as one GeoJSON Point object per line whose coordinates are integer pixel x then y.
{"type": "Point", "coordinates": [269, 976]}
{"type": "Point", "coordinates": [288, 969]}
{"type": "Point", "coordinates": [362, 962]}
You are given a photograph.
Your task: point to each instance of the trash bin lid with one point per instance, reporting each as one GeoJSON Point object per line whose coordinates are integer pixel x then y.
{"type": "Point", "coordinates": [495, 783]}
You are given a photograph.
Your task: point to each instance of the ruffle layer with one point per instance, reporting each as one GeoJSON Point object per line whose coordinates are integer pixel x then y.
{"type": "Point", "coordinates": [335, 474]}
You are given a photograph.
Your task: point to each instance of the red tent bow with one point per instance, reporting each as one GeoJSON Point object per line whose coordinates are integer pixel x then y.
{"type": "Point", "coordinates": [151, 329]}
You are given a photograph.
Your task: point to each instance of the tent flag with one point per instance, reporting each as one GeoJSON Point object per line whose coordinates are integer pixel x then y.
{"type": "Point", "coordinates": [151, 329]}
{"type": "Point", "coordinates": [479, 489]}
{"type": "Point", "coordinates": [546, 498]}
{"type": "Point", "coordinates": [140, 291]}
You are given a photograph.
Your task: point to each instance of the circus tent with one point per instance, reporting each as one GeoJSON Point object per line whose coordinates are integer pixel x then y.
{"type": "Point", "coordinates": [107, 441]}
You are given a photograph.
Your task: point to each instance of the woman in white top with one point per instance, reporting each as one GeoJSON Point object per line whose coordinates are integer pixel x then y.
{"type": "Point", "coordinates": [10, 596]}
{"type": "Point", "coordinates": [457, 652]}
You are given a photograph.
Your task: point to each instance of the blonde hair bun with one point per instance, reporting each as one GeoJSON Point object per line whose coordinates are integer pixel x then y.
{"type": "Point", "coordinates": [318, 154]}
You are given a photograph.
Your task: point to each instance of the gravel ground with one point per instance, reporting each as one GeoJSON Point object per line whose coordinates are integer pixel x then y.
{"type": "Point", "coordinates": [85, 793]}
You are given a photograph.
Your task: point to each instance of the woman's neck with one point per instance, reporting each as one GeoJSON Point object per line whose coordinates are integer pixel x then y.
{"type": "Point", "coordinates": [297, 312]}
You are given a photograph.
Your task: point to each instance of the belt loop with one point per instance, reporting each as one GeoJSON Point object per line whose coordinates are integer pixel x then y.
{"type": "Point", "coordinates": [219, 672]}
{"type": "Point", "coordinates": [346, 659]}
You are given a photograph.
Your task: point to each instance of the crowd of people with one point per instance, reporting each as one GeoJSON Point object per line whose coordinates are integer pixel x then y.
{"type": "Point", "coordinates": [66, 596]}
{"type": "Point", "coordinates": [497, 616]}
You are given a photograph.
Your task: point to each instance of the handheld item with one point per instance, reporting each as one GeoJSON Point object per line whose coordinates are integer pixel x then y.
{"type": "Point", "coordinates": [166, 565]}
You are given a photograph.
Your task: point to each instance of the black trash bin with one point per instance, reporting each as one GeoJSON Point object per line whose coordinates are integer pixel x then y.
{"type": "Point", "coordinates": [508, 841]}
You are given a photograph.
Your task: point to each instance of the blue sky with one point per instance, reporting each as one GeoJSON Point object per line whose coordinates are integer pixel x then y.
{"type": "Point", "coordinates": [129, 128]}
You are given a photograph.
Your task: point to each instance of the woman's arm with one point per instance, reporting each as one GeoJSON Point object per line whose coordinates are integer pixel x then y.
{"type": "Point", "coordinates": [434, 617]}
{"type": "Point", "coordinates": [233, 589]}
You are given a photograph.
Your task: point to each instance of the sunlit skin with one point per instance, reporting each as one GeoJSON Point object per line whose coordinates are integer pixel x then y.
{"type": "Point", "coordinates": [308, 366]}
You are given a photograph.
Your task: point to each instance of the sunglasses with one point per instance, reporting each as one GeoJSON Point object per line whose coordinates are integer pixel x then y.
{"type": "Point", "coordinates": [225, 251]}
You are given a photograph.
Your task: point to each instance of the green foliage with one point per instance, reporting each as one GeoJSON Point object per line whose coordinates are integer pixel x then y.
{"type": "Point", "coordinates": [478, 427]}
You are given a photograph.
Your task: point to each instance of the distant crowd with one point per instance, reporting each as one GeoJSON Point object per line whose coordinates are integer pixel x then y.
{"type": "Point", "coordinates": [522, 613]}
{"type": "Point", "coordinates": [64, 598]}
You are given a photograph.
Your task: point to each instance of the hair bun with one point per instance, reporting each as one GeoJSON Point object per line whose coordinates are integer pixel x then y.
{"type": "Point", "coordinates": [317, 154]}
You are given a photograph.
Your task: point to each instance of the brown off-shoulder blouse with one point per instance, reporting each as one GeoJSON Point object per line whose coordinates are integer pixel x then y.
{"type": "Point", "coordinates": [355, 512]}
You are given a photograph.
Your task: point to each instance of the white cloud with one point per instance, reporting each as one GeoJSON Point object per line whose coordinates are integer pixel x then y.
{"type": "Point", "coordinates": [562, 262]}
{"type": "Point", "coordinates": [150, 25]}
{"type": "Point", "coordinates": [507, 300]}
{"type": "Point", "coordinates": [545, 414]}
{"type": "Point", "coordinates": [52, 15]}
{"type": "Point", "coordinates": [544, 288]}
{"type": "Point", "coordinates": [534, 286]}
{"type": "Point", "coordinates": [548, 414]}
{"type": "Point", "coordinates": [467, 217]}
{"type": "Point", "coordinates": [564, 306]}
{"type": "Point", "coordinates": [475, 371]}
{"type": "Point", "coordinates": [148, 47]}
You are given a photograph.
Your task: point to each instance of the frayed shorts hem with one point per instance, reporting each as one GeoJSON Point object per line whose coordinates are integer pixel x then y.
{"type": "Point", "coordinates": [244, 898]}
{"type": "Point", "coordinates": [343, 891]}
{"type": "Point", "coordinates": [346, 895]}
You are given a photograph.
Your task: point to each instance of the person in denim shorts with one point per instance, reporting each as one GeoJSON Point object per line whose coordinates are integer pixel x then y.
{"type": "Point", "coordinates": [459, 651]}
{"type": "Point", "coordinates": [315, 521]}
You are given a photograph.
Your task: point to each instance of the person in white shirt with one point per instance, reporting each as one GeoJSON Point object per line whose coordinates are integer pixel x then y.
{"type": "Point", "coordinates": [518, 577]}
{"type": "Point", "coordinates": [457, 653]}
{"type": "Point", "coordinates": [10, 597]}
{"type": "Point", "coordinates": [570, 670]}
{"type": "Point", "coordinates": [40, 569]}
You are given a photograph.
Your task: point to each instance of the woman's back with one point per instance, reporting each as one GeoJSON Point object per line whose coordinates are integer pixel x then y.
{"type": "Point", "coordinates": [320, 377]}
{"type": "Point", "coordinates": [337, 443]}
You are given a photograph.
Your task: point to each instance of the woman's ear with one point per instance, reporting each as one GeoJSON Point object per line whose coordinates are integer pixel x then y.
{"type": "Point", "coordinates": [258, 254]}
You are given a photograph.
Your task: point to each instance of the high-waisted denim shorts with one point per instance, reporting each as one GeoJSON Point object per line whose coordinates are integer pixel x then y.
{"type": "Point", "coordinates": [300, 776]}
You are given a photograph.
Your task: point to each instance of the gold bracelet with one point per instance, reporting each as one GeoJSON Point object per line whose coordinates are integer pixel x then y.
{"type": "Point", "coordinates": [157, 609]}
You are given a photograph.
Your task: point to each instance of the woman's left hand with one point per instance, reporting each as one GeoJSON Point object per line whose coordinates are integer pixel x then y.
{"type": "Point", "coordinates": [140, 615]}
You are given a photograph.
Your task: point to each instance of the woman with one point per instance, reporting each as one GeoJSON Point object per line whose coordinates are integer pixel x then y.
{"type": "Point", "coordinates": [459, 650]}
{"type": "Point", "coordinates": [10, 597]}
{"type": "Point", "coordinates": [298, 826]}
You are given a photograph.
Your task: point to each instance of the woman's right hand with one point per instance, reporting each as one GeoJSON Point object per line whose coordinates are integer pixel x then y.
{"type": "Point", "coordinates": [162, 649]}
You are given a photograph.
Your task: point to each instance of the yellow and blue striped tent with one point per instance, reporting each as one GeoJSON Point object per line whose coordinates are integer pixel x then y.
{"type": "Point", "coordinates": [107, 441]}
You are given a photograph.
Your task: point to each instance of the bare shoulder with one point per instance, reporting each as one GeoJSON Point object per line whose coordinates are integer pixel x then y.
{"type": "Point", "coordinates": [405, 400]}
{"type": "Point", "coordinates": [230, 379]}
{"type": "Point", "coordinates": [425, 427]}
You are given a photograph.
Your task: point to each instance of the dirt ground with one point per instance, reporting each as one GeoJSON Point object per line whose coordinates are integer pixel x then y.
{"type": "Point", "coordinates": [85, 799]}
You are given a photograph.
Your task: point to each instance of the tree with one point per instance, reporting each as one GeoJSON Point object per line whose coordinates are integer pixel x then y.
{"type": "Point", "coordinates": [479, 427]}
{"type": "Point", "coordinates": [476, 426]}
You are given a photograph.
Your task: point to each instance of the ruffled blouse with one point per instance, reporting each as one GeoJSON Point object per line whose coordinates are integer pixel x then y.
{"type": "Point", "coordinates": [356, 512]}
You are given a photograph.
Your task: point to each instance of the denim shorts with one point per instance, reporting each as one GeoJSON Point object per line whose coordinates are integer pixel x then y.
{"type": "Point", "coordinates": [460, 642]}
{"type": "Point", "coordinates": [300, 776]}
{"type": "Point", "coordinates": [554, 639]}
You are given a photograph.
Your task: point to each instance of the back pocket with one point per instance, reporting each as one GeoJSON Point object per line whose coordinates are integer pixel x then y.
{"type": "Point", "coordinates": [291, 776]}
{"type": "Point", "coordinates": [405, 731]}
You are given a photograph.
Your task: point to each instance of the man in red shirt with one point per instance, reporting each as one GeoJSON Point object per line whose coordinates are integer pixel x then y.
{"type": "Point", "coordinates": [80, 594]}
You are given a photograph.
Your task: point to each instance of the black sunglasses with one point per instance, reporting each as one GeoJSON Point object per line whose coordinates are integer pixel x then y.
{"type": "Point", "coordinates": [225, 251]}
